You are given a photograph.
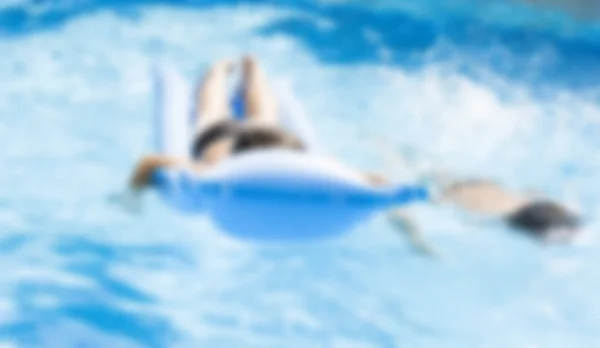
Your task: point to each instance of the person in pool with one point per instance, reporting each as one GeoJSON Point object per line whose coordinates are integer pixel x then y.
{"type": "Point", "coordinates": [536, 216]}
{"type": "Point", "coordinates": [218, 136]}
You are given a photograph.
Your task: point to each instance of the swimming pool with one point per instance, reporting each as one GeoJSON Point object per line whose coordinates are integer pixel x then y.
{"type": "Point", "coordinates": [514, 97]}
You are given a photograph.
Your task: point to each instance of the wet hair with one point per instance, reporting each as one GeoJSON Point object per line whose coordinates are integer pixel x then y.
{"type": "Point", "coordinates": [541, 218]}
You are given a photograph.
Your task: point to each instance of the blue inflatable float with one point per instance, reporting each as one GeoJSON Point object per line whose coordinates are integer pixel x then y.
{"type": "Point", "coordinates": [267, 194]}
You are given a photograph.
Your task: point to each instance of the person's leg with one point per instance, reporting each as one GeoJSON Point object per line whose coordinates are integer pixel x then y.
{"type": "Point", "coordinates": [261, 106]}
{"type": "Point", "coordinates": [212, 99]}
{"type": "Point", "coordinates": [212, 106]}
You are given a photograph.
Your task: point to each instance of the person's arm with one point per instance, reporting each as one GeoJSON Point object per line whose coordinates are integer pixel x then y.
{"type": "Point", "coordinates": [141, 179]}
{"type": "Point", "coordinates": [142, 174]}
{"type": "Point", "coordinates": [401, 221]}
{"type": "Point", "coordinates": [375, 179]}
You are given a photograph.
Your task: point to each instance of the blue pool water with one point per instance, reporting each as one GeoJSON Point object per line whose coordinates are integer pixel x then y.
{"type": "Point", "coordinates": [496, 89]}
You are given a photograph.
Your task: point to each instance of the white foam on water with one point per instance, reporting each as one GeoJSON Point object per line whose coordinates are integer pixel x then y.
{"type": "Point", "coordinates": [85, 90]}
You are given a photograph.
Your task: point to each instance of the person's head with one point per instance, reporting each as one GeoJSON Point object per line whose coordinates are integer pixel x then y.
{"type": "Point", "coordinates": [545, 220]}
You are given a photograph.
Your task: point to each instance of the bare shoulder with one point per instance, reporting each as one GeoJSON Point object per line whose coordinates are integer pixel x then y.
{"type": "Point", "coordinates": [473, 183]}
{"type": "Point", "coordinates": [482, 196]}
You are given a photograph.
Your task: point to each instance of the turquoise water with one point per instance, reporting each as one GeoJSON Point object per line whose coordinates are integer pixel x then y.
{"type": "Point", "coordinates": [499, 90]}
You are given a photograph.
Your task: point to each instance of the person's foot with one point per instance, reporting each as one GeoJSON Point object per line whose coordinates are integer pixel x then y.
{"type": "Point", "coordinates": [249, 64]}
{"type": "Point", "coordinates": [226, 65]}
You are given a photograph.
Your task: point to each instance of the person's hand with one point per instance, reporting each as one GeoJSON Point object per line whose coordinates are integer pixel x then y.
{"type": "Point", "coordinates": [130, 199]}
{"type": "Point", "coordinates": [143, 172]}
{"type": "Point", "coordinates": [376, 179]}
